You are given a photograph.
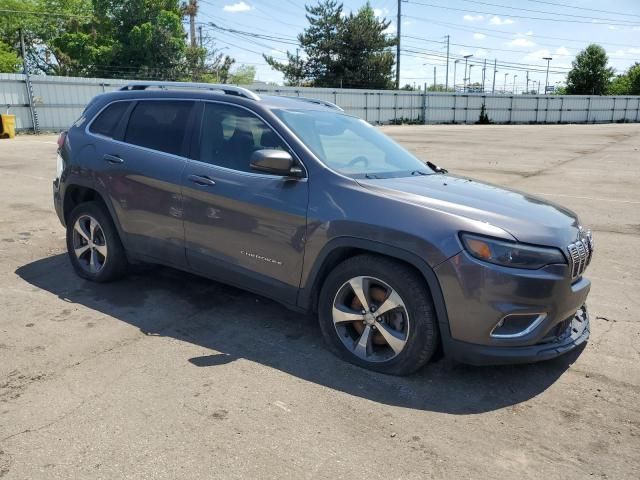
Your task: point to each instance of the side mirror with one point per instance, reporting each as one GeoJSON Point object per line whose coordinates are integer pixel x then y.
{"type": "Point", "coordinates": [274, 161]}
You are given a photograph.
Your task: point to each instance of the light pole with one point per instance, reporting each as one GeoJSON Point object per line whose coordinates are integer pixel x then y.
{"type": "Point", "coordinates": [455, 64]}
{"type": "Point", "coordinates": [546, 82]}
{"type": "Point", "coordinates": [513, 90]}
{"type": "Point", "coordinates": [469, 79]}
{"type": "Point", "coordinates": [464, 80]}
{"type": "Point", "coordinates": [504, 87]}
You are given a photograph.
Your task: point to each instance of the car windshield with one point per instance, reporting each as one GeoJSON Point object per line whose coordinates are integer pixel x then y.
{"type": "Point", "coordinates": [351, 146]}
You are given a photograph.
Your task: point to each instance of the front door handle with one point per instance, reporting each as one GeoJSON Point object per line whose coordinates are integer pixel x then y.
{"type": "Point", "coordinates": [113, 159]}
{"type": "Point", "coordinates": [201, 180]}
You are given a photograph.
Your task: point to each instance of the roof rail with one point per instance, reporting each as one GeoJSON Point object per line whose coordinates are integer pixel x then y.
{"type": "Point", "coordinates": [227, 89]}
{"type": "Point", "coordinates": [316, 101]}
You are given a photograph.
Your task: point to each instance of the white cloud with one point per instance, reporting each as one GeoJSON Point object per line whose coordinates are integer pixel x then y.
{"type": "Point", "coordinates": [480, 53]}
{"type": "Point", "coordinates": [521, 42]}
{"type": "Point", "coordinates": [495, 20]}
{"type": "Point", "coordinates": [563, 52]}
{"type": "Point", "coordinates": [612, 27]}
{"type": "Point", "coordinates": [634, 51]}
{"type": "Point", "coordinates": [619, 53]}
{"type": "Point", "coordinates": [237, 7]}
{"type": "Point", "coordinates": [536, 57]}
{"type": "Point", "coordinates": [381, 12]}
{"type": "Point", "coordinates": [529, 33]}
{"type": "Point", "coordinates": [479, 36]}
{"type": "Point", "coordinates": [473, 18]}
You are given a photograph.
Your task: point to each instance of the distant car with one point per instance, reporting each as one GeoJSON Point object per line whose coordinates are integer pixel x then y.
{"type": "Point", "coordinates": [295, 200]}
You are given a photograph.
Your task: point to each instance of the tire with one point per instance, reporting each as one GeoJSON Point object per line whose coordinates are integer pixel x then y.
{"type": "Point", "coordinates": [413, 321]}
{"type": "Point", "coordinates": [103, 258]}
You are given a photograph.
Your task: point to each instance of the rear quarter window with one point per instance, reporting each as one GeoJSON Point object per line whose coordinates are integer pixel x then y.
{"type": "Point", "coordinates": [107, 121]}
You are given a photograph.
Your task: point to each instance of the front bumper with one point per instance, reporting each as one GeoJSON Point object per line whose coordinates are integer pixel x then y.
{"type": "Point", "coordinates": [572, 336]}
{"type": "Point", "coordinates": [477, 295]}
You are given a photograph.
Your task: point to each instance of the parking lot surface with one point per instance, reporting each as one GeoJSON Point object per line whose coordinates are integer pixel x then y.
{"type": "Point", "coordinates": [168, 376]}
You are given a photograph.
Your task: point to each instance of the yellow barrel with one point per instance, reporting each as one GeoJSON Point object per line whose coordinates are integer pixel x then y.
{"type": "Point", "coordinates": [8, 126]}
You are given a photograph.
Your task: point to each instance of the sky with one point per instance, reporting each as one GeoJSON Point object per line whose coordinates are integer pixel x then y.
{"type": "Point", "coordinates": [518, 34]}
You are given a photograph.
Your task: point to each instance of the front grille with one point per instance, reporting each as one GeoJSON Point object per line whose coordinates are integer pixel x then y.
{"type": "Point", "coordinates": [580, 253]}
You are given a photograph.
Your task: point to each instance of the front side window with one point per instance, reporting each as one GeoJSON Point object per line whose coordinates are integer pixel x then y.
{"type": "Point", "coordinates": [230, 135]}
{"type": "Point", "coordinates": [107, 122]}
{"type": "Point", "coordinates": [350, 145]}
{"type": "Point", "coordinates": [160, 125]}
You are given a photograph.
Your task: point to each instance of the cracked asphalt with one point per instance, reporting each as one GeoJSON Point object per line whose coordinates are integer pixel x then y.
{"type": "Point", "coordinates": [165, 375]}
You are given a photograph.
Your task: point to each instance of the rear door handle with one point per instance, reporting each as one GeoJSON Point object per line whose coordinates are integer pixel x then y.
{"type": "Point", "coordinates": [201, 180]}
{"type": "Point", "coordinates": [113, 159]}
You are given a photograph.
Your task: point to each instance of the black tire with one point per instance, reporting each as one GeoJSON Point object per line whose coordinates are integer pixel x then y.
{"type": "Point", "coordinates": [422, 339]}
{"type": "Point", "coordinates": [115, 264]}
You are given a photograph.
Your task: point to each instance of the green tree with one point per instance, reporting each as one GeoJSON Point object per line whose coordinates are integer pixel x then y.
{"type": "Point", "coordinates": [634, 79]}
{"type": "Point", "coordinates": [9, 61]}
{"type": "Point", "coordinates": [620, 85]}
{"type": "Point", "coordinates": [589, 74]}
{"type": "Point", "coordinates": [244, 75]}
{"type": "Point", "coordinates": [348, 51]}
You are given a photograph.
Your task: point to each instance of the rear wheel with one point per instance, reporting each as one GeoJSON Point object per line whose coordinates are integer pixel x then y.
{"type": "Point", "coordinates": [94, 247]}
{"type": "Point", "coordinates": [377, 313]}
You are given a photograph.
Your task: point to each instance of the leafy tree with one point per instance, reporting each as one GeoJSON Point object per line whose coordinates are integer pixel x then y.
{"type": "Point", "coordinates": [620, 85]}
{"type": "Point", "coordinates": [9, 61]}
{"type": "Point", "coordinates": [348, 51]}
{"type": "Point", "coordinates": [590, 74]}
{"type": "Point", "coordinates": [244, 75]}
{"type": "Point", "coordinates": [634, 79]}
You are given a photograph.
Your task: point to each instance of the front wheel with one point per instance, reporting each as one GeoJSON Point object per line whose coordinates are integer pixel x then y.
{"type": "Point", "coordinates": [378, 313]}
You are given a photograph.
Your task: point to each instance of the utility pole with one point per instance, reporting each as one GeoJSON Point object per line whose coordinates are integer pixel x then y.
{"type": "Point", "coordinates": [546, 83]}
{"type": "Point", "coordinates": [446, 82]}
{"type": "Point", "coordinates": [513, 89]}
{"type": "Point", "coordinates": [504, 87]}
{"type": "Point", "coordinates": [469, 78]}
{"type": "Point", "coordinates": [191, 10]}
{"type": "Point", "coordinates": [399, 21]}
{"type": "Point", "coordinates": [298, 64]}
{"type": "Point", "coordinates": [495, 70]}
{"type": "Point", "coordinates": [434, 79]}
{"type": "Point", "coordinates": [200, 35]}
{"type": "Point", "coordinates": [527, 81]}
{"type": "Point", "coordinates": [484, 69]}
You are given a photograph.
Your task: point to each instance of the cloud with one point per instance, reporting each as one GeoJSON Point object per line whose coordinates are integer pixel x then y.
{"type": "Point", "coordinates": [479, 36]}
{"type": "Point", "coordinates": [634, 51]}
{"type": "Point", "coordinates": [563, 52]}
{"type": "Point", "coordinates": [612, 27]}
{"type": "Point", "coordinates": [536, 57]}
{"type": "Point", "coordinates": [619, 53]}
{"type": "Point", "coordinates": [381, 12]}
{"type": "Point", "coordinates": [521, 42]}
{"type": "Point", "coordinates": [495, 20]}
{"type": "Point", "coordinates": [237, 7]}
{"type": "Point", "coordinates": [473, 18]}
{"type": "Point", "coordinates": [480, 53]}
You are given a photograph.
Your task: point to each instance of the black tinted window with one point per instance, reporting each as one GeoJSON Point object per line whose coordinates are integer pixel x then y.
{"type": "Point", "coordinates": [230, 135]}
{"type": "Point", "coordinates": [160, 125]}
{"type": "Point", "coordinates": [107, 121]}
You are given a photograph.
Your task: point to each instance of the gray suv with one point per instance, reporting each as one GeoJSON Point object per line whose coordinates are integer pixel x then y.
{"type": "Point", "coordinates": [293, 199]}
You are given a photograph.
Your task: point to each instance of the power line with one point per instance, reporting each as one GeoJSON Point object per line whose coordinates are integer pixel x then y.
{"type": "Point", "coordinates": [583, 8]}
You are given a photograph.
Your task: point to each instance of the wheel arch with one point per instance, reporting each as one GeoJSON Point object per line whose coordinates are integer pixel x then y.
{"type": "Point", "coordinates": [339, 249]}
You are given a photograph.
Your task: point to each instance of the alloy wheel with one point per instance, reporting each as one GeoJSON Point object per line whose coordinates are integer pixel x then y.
{"type": "Point", "coordinates": [89, 244]}
{"type": "Point", "coordinates": [371, 319]}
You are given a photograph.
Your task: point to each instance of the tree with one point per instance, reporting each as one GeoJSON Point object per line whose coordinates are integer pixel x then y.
{"type": "Point", "coordinates": [590, 74]}
{"type": "Point", "coordinates": [9, 61]}
{"type": "Point", "coordinates": [620, 85]}
{"type": "Point", "coordinates": [244, 75]}
{"type": "Point", "coordinates": [634, 79]}
{"type": "Point", "coordinates": [348, 51]}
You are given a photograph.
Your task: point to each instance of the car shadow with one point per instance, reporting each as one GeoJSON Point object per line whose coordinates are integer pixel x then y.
{"type": "Point", "coordinates": [236, 324]}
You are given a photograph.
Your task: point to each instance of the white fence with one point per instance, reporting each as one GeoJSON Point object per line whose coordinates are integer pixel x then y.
{"type": "Point", "coordinates": [58, 101]}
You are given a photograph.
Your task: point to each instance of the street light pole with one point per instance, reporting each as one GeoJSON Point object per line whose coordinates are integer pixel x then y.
{"type": "Point", "coordinates": [504, 87]}
{"type": "Point", "coordinates": [455, 64]}
{"type": "Point", "coordinates": [513, 90]}
{"type": "Point", "coordinates": [469, 79]}
{"type": "Point", "coordinates": [464, 80]}
{"type": "Point", "coordinates": [546, 82]}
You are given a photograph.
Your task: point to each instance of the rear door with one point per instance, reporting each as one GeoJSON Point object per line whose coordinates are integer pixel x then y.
{"type": "Point", "coordinates": [141, 173]}
{"type": "Point", "coordinates": [242, 226]}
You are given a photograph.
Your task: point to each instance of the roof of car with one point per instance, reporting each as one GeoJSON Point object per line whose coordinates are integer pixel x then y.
{"type": "Point", "coordinates": [229, 93]}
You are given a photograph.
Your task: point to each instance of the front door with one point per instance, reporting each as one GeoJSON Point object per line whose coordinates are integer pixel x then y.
{"type": "Point", "coordinates": [241, 226]}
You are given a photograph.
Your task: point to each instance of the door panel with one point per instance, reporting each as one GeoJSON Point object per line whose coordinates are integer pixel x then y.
{"type": "Point", "coordinates": [143, 183]}
{"type": "Point", "coordinates": [241, 226]}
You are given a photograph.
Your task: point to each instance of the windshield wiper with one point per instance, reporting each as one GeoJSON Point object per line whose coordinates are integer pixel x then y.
{"type": "Point", "coordinates": [371, 176]}
{"type": "Point", "coordinates": [436, 168]}
{"type": "Point", "coordinates": [419, 172]}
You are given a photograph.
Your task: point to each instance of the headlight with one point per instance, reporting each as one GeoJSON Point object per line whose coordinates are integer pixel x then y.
{"type": "Point", "coordinates": [510, 254]}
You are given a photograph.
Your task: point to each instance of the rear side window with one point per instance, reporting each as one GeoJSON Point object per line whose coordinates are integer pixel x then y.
{"type": "Point", "coordinates": [159, 125]}
{"type": "Point", "coordinates": [108, 120]}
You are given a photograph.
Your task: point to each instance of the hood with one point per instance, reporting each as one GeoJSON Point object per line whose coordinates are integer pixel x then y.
{"type": "Point", "coordinates": [525, 217]}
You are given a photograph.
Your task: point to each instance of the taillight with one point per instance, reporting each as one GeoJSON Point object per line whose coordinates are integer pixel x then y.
{"type": "Point", "coordinates": [61, 139]}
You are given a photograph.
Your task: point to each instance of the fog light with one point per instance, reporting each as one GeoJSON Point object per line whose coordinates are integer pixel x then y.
{"type": "Point", "coordinates": [517, 325]}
